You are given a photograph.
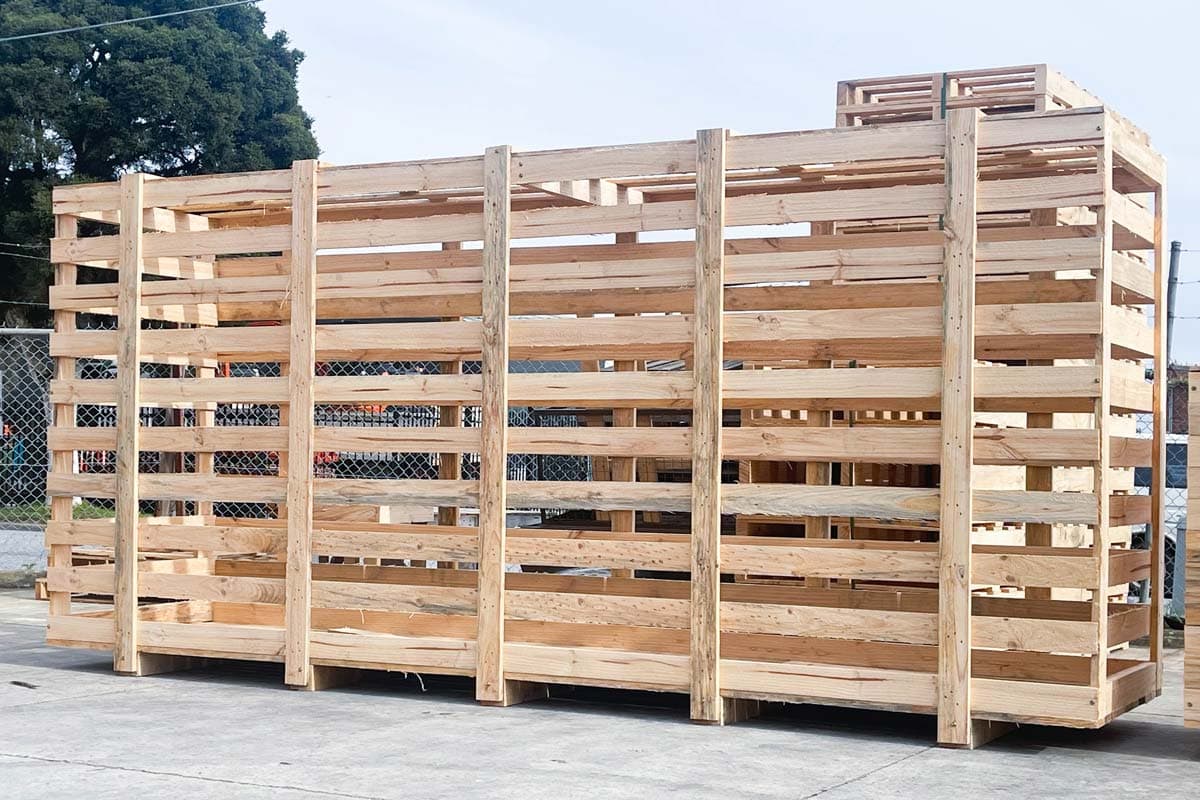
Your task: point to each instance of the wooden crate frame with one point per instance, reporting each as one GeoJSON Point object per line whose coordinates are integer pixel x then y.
{"type": "Point", "coordinates": [938, 322]}
{"type": "Point", "coordinates": [996, 90]}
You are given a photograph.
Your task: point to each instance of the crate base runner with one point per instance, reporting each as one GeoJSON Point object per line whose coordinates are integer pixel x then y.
{"type": "Point", "coordinates": [881, 457]}
{"type": "Point", "coordinates": [871, 648]}
{"type": "Point", "coordinates": [242, 632]}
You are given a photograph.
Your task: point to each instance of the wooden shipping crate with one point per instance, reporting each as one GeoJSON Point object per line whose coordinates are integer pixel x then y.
{"type": "Point", "coordinates": [410, 263]}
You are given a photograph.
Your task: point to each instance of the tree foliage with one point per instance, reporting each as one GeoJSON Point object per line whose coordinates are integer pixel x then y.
{"type": "Point", "coordinates": [197, 93]}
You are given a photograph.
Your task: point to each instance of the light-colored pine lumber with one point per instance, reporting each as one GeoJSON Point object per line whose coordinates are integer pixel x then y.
{"type": "Point", "coordinates": [127, 496]}
{"type": "Point", "coordinates": [914, 380]}
{"type": "Point", "coordinates": [957, 427]}
{"type": "Point", "coordinates": [62, 459]}
{"type": "Point", "coordinates": [490, 680]}
{"type": "Point", "coordinates": [707, 369]}
{"type": "Point", "coordinates": [301, 400]}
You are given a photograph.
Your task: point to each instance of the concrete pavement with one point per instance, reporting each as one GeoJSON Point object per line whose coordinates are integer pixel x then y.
{"type": "Point", "coordinates": [73, 729]}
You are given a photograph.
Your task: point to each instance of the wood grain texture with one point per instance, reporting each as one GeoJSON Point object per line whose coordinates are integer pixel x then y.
{"type": "Point", "coordinates": [957, 426]}
{"type": "Point", "coordinates": [1102, 410]}
{"type": "Point", "coordinates": [1160, 393]}
{"type": "Point", "coordinates": [301, 403]}
{"type": "Point", "coordinates": [856, 397]}
{"type": "Point", "coordinates": [708, 355]}
{"type": "Point", "coordinates": [62, 459]}
{"type": "Point", "coordinates": [129, 324]}
{"type": "Point", "coordinates": [493, 452]}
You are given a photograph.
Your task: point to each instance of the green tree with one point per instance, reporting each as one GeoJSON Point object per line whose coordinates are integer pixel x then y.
{"type": "Point", "coordinates": [185, 95]}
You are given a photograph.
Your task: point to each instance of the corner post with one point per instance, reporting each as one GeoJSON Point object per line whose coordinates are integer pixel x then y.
{"type": "Point", "coordinates": [707, 353]}
{"type": "Point", "coordinates": [1158, 510]}
{"type": "Point", "coordinates": [302, 358]}
{"type": "Point", "coordinates": [129, 324]}
{"type": "Point", "coordinates": [958, 365]}
{"type": "Point", "coordinates": [1101, 537]}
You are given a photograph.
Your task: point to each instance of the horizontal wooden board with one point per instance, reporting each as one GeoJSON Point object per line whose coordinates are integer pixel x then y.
{"type": "Point", "coordinates": [884, 444]}
{"type": "Point", "coordinates": [1026, 388]}
{"type": "Point", "coordinates": [888, 688]}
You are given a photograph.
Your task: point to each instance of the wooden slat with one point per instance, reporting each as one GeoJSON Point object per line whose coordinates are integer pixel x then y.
{"type": "Point", "coordinates": [883, 502]}
{"type": "Point", "coordinates": [596, 665]}
{"type": "Point", "coordinates": [756, 209]}
{"type": "Point", "coordinates": [872, 333]}
{"type": "Point", "coordinates": [1058, 388]}
{"type": "Point", "coordinates": [881, 688]}
{"type": "Point", "coordinates": [1034, 566]}
{"type": "Point", "coordinates": [866, 560]}
{"type": "Point", "coordinates": [427, 654]}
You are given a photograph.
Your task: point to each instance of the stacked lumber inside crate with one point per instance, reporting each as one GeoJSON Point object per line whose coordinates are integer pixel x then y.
{"type": "Point", "coordinates": [882, 346]}
{"type": "Point", "coordinates": [1191, 655]}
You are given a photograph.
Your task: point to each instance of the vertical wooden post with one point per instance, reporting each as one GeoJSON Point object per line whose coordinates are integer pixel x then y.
{"type": "Point", "coordinates": [958, 365]}
{"type": "Point", "coordinates": [624, 468]}
{"type": "Point", "coordinates": [301, 369]}
{"type": "Point", "coordinates": [129, 324]}
{"type": "Point", "coordinates": [1102, 418]}
{"type": "Point", "coordinates": [449, 464]}
{"type": "Point", "coordinates": [1158, 471]}
{"type": "Point", "coordinates": [206, 417]}
{"type": "Point", "coordinates": [1040, 478]}
{"type": "Point", "coordinates": [819, 473]}
{"type": "Point", "coordinates": [708, 333]}
{"type": "Point", "coordinates": [1040, 87]}
{"type": "Point", "coordinates": [63, 461]}
{"type": "Point", "coordinates": [206, 413]}
{"type": "Point", "coordinates": [493, 451]}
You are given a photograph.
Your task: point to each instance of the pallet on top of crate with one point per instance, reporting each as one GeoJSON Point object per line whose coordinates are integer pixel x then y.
{"type": "Point", "coordinates": [916, 332]}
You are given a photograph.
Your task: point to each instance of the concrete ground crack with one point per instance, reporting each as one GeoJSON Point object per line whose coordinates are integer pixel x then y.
{"type": "Point", "coordinates": [69, 698]}
{"type": "Point", "coordinates": [184, 775]}
{"type": "Point", "coordinates": [867, 774]}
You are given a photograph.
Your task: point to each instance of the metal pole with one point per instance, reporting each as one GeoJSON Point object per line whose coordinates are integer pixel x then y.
{"type": "Point", "coordinates": [1172, 280]}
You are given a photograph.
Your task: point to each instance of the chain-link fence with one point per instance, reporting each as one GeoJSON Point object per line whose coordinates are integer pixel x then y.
{"type": "Point", "coordinates": [1175, 492]}
{"type": "Point", "coordinates": [25, 414]}
{"type": "Point", "coordinates": [25, 371]}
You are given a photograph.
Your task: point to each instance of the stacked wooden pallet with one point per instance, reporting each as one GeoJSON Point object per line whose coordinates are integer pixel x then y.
{"type": "Point", "coordinates": [940, 325]}
{"type": "Point", "coordinates": [997, 90]}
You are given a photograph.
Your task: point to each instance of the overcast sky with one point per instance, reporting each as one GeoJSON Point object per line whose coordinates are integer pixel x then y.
{"type": "Point", "coordinates": [391, 81]}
